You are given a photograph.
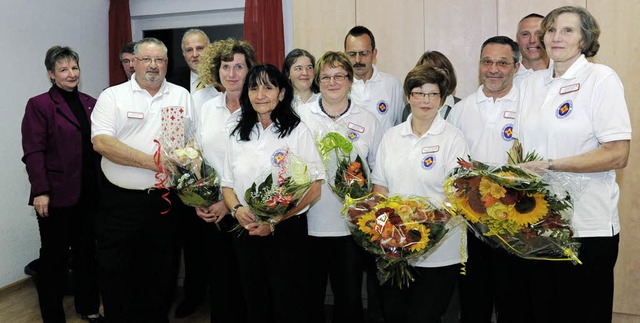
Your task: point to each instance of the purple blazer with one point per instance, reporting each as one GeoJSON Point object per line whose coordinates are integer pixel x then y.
{"type": "Point", "coordinates": [52, 146]}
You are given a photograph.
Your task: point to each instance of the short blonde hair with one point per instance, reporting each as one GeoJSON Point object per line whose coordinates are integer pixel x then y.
{"type": "Point", "coordinates": [333, 59]}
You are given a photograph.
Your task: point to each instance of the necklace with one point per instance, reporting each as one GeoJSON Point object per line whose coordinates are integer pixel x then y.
{"type": "Point", "coordinates": [334, 116]}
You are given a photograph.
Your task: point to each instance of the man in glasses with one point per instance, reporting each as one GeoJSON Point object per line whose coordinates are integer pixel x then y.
{"type": "Point", "coordinates": [486, 119]}
{"type": "Point", "coordinates": [135, 223]}
{"type": "Point", "coordinates": [372, 89]}
{"type": "Point", "coordinates": [534, 56]}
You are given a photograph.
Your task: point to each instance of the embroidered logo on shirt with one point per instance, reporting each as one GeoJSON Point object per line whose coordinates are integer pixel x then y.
{"type": "Point", "coordinates": [383, 107]}
{"type": "Point", "coordinates": [428, 161]}
{"type": "Point", "coordinates": [507, 132]}
{"type": "Point", "coordinates": [564, 110]}
{"type": "Point", "coordinates": [278, 157]}
{"type": "Point", "coordinates": [352, 135]}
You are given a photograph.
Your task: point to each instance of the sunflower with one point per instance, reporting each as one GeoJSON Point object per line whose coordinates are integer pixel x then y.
{"type": "Point", "coordinates": [529, 209]}
{"type": "Point", "coordinates": [467, 211]}
{"type": "Point", "coordinates": [420, 232]}
{"type": "Point", "coordinates": [366, 222]}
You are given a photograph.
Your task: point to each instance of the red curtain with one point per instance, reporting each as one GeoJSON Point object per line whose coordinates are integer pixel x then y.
{"type": "Point", "coordinates": [119, 34]}
{"type": "Point", "coordinates": [264, 30]}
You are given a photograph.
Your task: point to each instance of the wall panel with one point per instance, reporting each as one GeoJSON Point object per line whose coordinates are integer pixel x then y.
{"type": "Point", "coordinates": [399, 31]}
{"type": "Point", "coordinates": [619, 50]}
{"type": "Point", "coordinates": [319, 26]}
{"type": "Point", "coordinates": [457, 29]}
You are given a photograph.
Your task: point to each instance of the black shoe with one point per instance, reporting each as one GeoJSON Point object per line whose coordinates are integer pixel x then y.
{"type": "Point", "coordinates": [98, 319]}
{"type": "Point", "coordinates": [185, 309]}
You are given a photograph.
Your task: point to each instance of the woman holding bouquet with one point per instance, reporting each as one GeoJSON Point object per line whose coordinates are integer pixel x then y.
{"type": "Point", "coordinates": [413, 159]}
{"type": "Point", "coordinates": [226, 63]}
{"type": "Point", "coordinates": [271, 257]}
{"type": "Point", "coordinates": [298, 69]}
{"type": "Point", "coordinates": [574, 114]}
{"type": "Point", "coordinates": [63, 171]}
{"type": "Point", "coordinates": [335, 254]}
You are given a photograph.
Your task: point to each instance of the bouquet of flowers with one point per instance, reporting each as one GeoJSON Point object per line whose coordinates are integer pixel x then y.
{"type": "Point", "coordinates": [398, 230]}
{"type": "Point", "coordinates": [280, 189]}
{"type": "Point", "coordinates": [195, 182]}
{"type": "Point", "coordinates": [182, 167]}
{"type": "Point", "coordinates": [507, 206]}
{"type": "Point", "coordinates": [348, 174]}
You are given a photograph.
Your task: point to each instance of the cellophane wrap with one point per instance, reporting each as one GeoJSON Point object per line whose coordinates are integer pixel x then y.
{"type": "Point", "coordinates": [398, 230]}
{"type": "Point", "coordinates": [521, 212]}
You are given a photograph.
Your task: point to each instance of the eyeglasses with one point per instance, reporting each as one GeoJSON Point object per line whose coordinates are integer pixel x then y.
{"type": "Point", "coordinates": [489, 63]}
{"type": "Point", "coordinates": [337, 78]}
{"type": "Point", "coordinates": [125, 61]}
{"type": "Point", "coordinates": [363, 53]}
{"type": "Point", "coordinates": [149, 60]}
{"type": "Point", "coordinates": [422, 95]}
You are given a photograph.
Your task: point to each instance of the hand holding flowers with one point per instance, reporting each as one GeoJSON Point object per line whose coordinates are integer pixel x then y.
{"type": "Point", "coordinates": [196, 183]}
{"type": "Point", "coordinates": [272, 199]}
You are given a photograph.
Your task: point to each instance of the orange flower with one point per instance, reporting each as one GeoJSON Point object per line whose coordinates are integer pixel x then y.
{"type": "Point", "coordinates": [488, 200]}
{"type": "Point", "coordinates": [354, 167]}
{"type": "Point", "coordinates": [354, 174]}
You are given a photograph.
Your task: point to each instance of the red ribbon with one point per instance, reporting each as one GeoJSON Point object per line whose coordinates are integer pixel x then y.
{"type": "Point", "coordinates": [161, 177]}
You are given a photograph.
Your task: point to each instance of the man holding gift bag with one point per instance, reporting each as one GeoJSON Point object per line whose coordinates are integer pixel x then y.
{"type": "Point", "coordinates": [136, 229]}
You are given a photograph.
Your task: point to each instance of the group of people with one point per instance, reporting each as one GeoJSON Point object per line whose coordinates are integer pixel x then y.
{"type": "Point", "coordinates": [539, 90]}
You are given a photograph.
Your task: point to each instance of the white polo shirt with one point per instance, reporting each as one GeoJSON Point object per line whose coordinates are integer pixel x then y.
{"type": "Point", "coordinates": [521, 74]}
{"type": "Point", "coordinates": [487, 125]}
{"type": "Point", "coordinates": [382, 95]}
{"type": "Point", "coordinates": [130, 114]}
{"type": "Point", "coordinates": [297, 101]}
{"type": "Point", "coordinates": [571, 115]}
{"type": "Point", "coordinates": [363, 130]}
{"type": "Point", "coordinates": [212, 129]}
{"type": "Point", "coordinates": [245, 161]}
{"type": "Point", "coordinates": [408, 165]}
{"type": "Point", "coordinates": [203, 95]}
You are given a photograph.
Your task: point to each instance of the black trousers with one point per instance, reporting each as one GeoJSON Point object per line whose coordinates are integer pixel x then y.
{"type": "Point", "coordinates": [478, 285]}
{"type": "Point", "coordinates": [193, 236]}
{"type": "Point", "coordinates": [64, 228]}
{"type": "Point", "coordinates": [549, 291]}
{"type": "Point", "coordinates": [137, 254]}
{"type": "Point", "coordinates": [340, 260]}
{"type": "Point", "coordinates": [272, 273]}
{"type": "Point", "coordinates": [425, 300]}
{"type": "Point", "coordinates": [225, 292]}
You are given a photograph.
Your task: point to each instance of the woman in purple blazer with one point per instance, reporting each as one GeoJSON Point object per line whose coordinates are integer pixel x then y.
{"type": "Point", "coordinates": [63, 171]}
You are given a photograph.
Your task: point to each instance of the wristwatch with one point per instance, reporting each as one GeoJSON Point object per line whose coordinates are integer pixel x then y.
{"type": "Point", "coordinates": [235, 208]}
{"type": "Point", "coordinates": [550, 165]}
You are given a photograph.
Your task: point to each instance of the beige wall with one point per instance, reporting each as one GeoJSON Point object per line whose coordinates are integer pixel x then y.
{"type": "Point", "coordinates": [405, 29]}
{"type": "Point", "coordinates": [620, 45]}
